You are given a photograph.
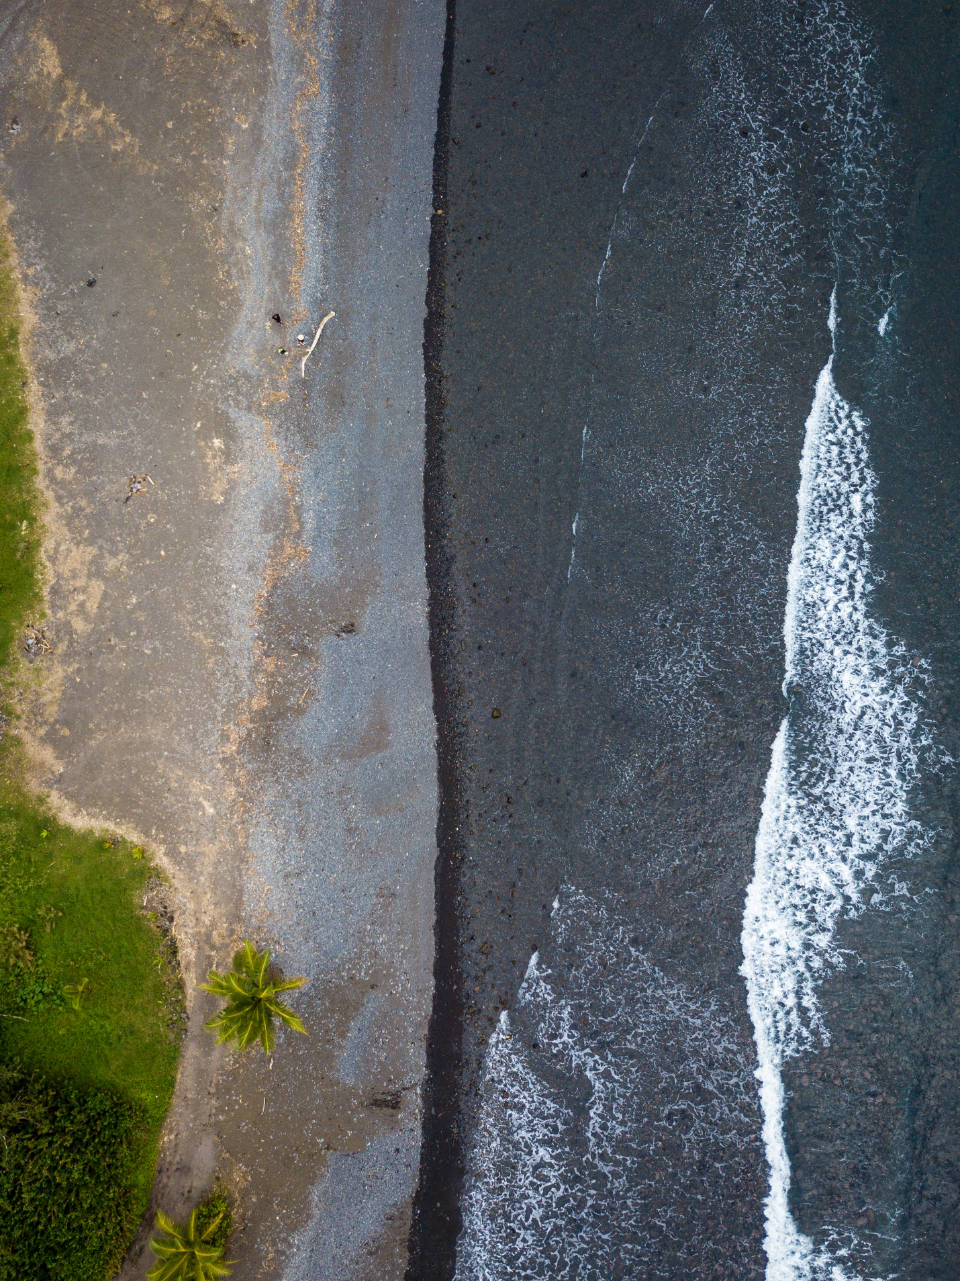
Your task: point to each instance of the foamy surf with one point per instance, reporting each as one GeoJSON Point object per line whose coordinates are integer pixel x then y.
{"type": "Point", "coordinates": [576, 1106]}
{"type": "Point", "coordinates": [836, 816]}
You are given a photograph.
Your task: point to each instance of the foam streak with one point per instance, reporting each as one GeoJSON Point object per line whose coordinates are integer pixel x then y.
{"type": "Point", "coordinates": [836, 810]}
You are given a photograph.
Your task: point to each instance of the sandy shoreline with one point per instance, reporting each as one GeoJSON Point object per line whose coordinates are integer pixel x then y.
{"type": "Point", "coordinates": [241, 653]}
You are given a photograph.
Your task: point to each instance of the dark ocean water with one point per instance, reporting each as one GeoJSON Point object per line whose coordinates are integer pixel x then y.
{"type": "Point", "coordinates": [698, 1001]}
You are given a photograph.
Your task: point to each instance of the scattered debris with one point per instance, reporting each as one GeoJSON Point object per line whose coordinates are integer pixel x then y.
{"type": "Point", "coordinates": [301, 339]}
{"type": "Point", "coordinates": [15, 126]}
{"type": "Point", "coordinates": [156, 907]}
{"type": "Point", "coordinates": [35, 643]}
{"type": "Point", "coordinates": [316, 338]}
{"type": "Point", "coordinates": [281, 351]}
{"type": "Point", "coordinates": [389, 1099]}
{"type": "Point", "coordinates": [91, 281]}
{"type": "Point", "coordinates": [136, 486]}
{"type": "Point", "coordinates": [277, 318]}
{"type": "Point", "coordinates": [496, 714]}
{"type": "Point", "coordinates": [346, 629]}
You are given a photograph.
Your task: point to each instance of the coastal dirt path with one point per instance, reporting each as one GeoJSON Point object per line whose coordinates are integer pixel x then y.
{"type": "Point", "coordinates": [240, 673]}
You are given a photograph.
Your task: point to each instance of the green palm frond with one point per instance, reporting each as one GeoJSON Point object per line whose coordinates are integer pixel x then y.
{"type": "Point", "coordinates": [265, 1026]}
{"type": "Point", "coordinates": [184, 1254]}
{"type": "Point", "coordinates": [217, 984]}
{"type": "Point", "coordinates": [250, 962]}
{"type": "Point", "coordinates": [287, 985]}
{"type": "Point", "coordinates": [167, 1270]}
{"type": "Point", "coordinates": [250, 992]}
{"type": "Point", "coordinates": [291, 1019]}
{"type": "Point", "coordinates": [167, 1224]}
{"type": "Point", "coordinates": [261, 966]}
{"type": "Point", "coordinates": [249, 1029]}
{"type": "Point", "coordinates": [237, 985]}
{"type": "Point", "coordinates": [211, 1227]}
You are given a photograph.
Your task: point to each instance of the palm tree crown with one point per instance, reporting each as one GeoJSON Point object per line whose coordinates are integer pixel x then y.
{"type": "Point", "coordinates": [186, 1254]}
{"type": "Point", "coordinates": [251, 992]}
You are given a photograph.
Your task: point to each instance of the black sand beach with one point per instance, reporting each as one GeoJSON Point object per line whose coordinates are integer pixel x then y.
{"type": "Point", "coordinates": [659, 234]}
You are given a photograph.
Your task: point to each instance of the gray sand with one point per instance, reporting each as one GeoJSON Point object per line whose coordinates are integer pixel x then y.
{"type": "Point", "coordinates": [241, 671]}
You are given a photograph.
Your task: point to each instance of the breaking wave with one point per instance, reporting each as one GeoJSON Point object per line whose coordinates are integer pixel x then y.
{"type": "Point", "coordinates": [837, 821]}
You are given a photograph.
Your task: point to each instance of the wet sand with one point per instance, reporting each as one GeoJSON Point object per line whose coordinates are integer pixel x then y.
{"type": "Point", "coordinates": [240, 672]}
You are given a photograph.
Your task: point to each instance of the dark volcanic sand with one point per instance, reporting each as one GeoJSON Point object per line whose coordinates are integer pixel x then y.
{"type": "Point", "coordinates": [607, 708]}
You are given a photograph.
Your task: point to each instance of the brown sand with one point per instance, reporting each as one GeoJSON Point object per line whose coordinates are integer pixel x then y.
{"type": "Point", "coordinates": [240, 673]}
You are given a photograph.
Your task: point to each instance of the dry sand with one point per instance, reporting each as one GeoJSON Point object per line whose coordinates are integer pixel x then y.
{"type": "Point", "coordinates": [241, 671]}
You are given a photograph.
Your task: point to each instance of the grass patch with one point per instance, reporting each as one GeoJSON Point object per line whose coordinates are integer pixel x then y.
{"type": "Point", "coordinates": [20, 529]}
{"type": "Point", "coordinates": [90, 1003]}
{"type": "Point", "coordinates": [216, 1206]}
{"type": "Point", "coordinates": [78, 897]}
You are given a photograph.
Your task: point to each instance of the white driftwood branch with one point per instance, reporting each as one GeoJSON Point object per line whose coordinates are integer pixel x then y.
{"type": "Point", "coordinates": [316, 338]}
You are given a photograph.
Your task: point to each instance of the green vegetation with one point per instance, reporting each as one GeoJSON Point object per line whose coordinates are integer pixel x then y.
{"type": "Point", "coordinates": [188, 1253]}
{"type": "Point", "coordinates": [20, 528]}
{"type": "Point", "coordinates": [194, 1252]}
{"type": "Point", "coordinates": [89, 1000]}
{"type": "Point", "coordinates": [251, 989]}
{"type": "Point", "coordinates": [68, 1204]}
{"type": "Point", "coordinates": [92, 997]}
{"type": "Point", "coordinates": [217, 1211]}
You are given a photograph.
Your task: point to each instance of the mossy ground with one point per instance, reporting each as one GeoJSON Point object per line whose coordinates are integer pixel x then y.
{"type": "Point", "coordinates": [72, 899]}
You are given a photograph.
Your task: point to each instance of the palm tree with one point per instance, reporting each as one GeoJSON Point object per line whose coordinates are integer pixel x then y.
{"type": "Point", "coordinates": [186, 1254]}
{"type": "Point", "coordinates": [251, 991]}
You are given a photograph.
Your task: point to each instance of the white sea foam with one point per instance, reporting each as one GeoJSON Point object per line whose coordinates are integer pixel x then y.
{"type": "Point", "coordinates": [837, 806]}
{"type": "Point", "coordinates": [576, 519]}
{"type": "Point", "coordinates": [742, 304]}
{"type": "Point", "coordinates": [603, 1060]}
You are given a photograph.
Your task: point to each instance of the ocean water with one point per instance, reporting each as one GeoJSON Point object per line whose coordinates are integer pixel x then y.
{"type": "Point", "coordinates": [715, 806]}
